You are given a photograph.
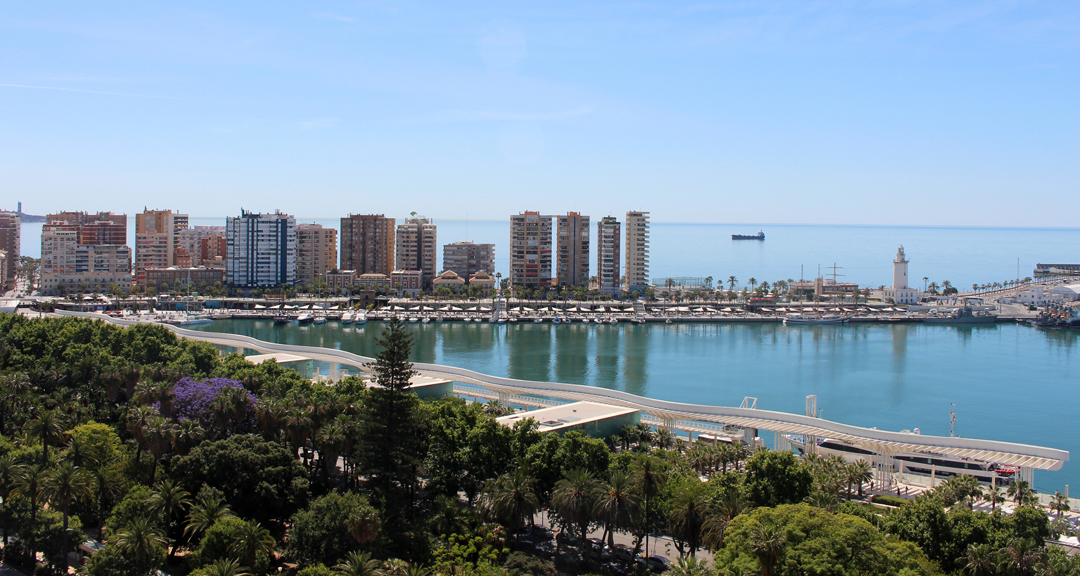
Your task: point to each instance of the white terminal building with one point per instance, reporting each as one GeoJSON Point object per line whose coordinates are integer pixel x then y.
{"type": "Point", "coordinates": [900, 293]}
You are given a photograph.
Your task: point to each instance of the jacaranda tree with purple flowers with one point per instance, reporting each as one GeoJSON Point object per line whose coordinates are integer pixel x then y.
{"type": "Point", "coordinates": [219, 405]}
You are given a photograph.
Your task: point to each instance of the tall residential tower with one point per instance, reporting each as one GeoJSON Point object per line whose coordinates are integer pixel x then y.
{"type": "Point", "coordinates": [530, 250]}
{"type": "Point", "coordinates": [608, 269]}
{"type": "Point", "coordinates": [573, 262]}
{"type": "Point", "coordinates": [260, 250]}
{"type": "Point", "coordinates": [417, 248]}
{"type": "Point", "coordinates": [156, 240]}
{"type": "Point", "coordinates": [637, 251]}
{"type": "Point", "coordinates": [367, 244]}
{"type": "Point", "coordinates": [10, 229]}
{"type": "Point", "coordinates": [316, 252]}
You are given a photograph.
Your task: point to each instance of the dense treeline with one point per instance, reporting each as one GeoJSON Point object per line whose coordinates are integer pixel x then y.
{"type": "Point", "coordinates": [179, 458]}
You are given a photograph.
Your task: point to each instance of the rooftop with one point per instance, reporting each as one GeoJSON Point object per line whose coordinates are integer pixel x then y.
{"type": "Point", "coordinates": [567, 415]}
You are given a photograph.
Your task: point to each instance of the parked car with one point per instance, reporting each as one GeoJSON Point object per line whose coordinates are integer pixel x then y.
{"type": "Point", "coordinates": [658, 563]}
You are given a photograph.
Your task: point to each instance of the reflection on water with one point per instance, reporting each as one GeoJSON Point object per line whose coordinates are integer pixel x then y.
{"type": "Point", "coordinates": [896, 376]}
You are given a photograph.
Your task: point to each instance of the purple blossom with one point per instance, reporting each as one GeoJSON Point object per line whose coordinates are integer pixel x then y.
{"type": "Point", "coordinates": [194, 399]}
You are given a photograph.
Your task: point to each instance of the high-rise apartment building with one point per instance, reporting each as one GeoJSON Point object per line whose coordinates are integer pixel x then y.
{"type": "Point", "coordinates": [572, 268]}
{"type": "Point", "coordinates": [10, 243]}
{"type": "Point", "coordinates": [316, 252]}
{"type": "Point", "coordinates": [367, 244]}
{"type": "Point", "coordinates": [637, 251]}
{"type": "Point", "coordinates": [468, 258]}
{"type": "Point", "coordinates": [530, 250]}
{"type": "Point", "coordinates": [84, 252]}
{"type": "Point", "coordinates": [156, 240]}
{"type": "Point", "coordinates": [260, 249]}
{"type": "Point", "coordinates": [608, 244]}
{"type": "Point", "coordinates": [417, 247]}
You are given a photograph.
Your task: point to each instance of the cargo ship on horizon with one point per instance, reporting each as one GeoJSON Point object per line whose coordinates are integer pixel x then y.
{"type": "Point", "coordinates": [759, 236]}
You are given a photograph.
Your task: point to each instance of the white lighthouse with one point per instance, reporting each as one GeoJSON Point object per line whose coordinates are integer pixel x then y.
{"type": "Point", "coordinates": [900, 293]}
{"type": "Point", "coordinates": [899, 273]}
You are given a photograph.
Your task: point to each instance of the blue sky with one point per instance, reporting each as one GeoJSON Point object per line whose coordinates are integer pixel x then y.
{"type": "Point", "coordinates": [871, 112]}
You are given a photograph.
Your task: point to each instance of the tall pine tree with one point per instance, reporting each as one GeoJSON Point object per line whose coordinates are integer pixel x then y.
{"type": "Point", "coordinates": [394, 440]}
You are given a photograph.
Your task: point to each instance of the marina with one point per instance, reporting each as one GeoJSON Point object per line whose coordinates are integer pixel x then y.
{"type": "Point", "coordinates": [890, 376]}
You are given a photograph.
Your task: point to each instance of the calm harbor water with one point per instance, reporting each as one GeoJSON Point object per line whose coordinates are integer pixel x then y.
{"type": "Point", "coordinates": [1011, 383]}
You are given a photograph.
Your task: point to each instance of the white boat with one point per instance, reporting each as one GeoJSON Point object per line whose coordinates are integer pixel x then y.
{"type": "Point", "coordinates": [192, 320]}
{"type": "Point", "coordinates": [221, 316]}
{"type": "Point", "coordinates": [921, 463]}
{"type": "Point", "coordinates": [514, 319]}
{"type": "Point", "coordinates": [613, 320]}
{"type": "Point", "coordinates": [320, 320]}
{"type": "Point", "coordinates": [305, 318]}
{"type": "Point", "coordinates": [502, 320]}
{"type": "Point", "coordinates": [556, 320]}
{"type": "Point", "coordinates": [347, 318]}
{"type": "Point", "coordinates": [814, 320]}
{"type": "Point", "coordinates": [426, 320]}
{"type": "Point", "coordinates": [413, 319]}
{"type": "Point", "coordinates": [538, 320]}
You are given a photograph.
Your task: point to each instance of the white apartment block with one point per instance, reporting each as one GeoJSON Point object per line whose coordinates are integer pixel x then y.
{"type": "Point", "coordinates": [637, 251]}
{"type": "Point", "coordinates": [417, 248]}
{"type": "Point", "coordinates": [608, 256]}
{"type": "Point", "coordinates": [68, 267]}
{"type": "Point", "coordinates": [261, 250]}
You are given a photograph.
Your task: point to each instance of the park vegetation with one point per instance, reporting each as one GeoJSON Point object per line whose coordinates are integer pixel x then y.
{"type": "Point", "coordinates": [181, 459]}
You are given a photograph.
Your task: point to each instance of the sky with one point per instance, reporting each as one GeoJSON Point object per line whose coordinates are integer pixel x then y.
{"type": "Point", "coordinates": [890, 112]}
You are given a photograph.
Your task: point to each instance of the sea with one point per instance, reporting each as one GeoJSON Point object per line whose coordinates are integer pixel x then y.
{"type": "Point", "coordinates": [1004, 382]}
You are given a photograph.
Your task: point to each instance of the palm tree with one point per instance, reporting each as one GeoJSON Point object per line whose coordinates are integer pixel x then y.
{"type": "Point", "coordinates": [616, 506]}
{"type": "Point", "coordinates": [170, 500]}
{"type": "Point", "coordinates": [687, 515]}
{"type": "Point", "coordinates": [48, 428]}
{"type": "Point", "coordinates": [665, 439]}
{"type": "Point", "coordinates": [648, 480]}
{"type": "Point", "coordinates": [357, 564]}
{"type": "Point", "coordinates": [512, 498]}
{"type": "Point", "coordinates": [980, 560]}
{"type": "Point", "coordinates": [859, 473]}
{"type": "Point", "coordinates": [138, 539]}
{"type": "Point", "coordinates": [1060, 503]}
{"type": "Point", "coordinates": [223, 567]}
{"type": "Point", "coordinates": [1019, 491]}
{"type": "Point", "coordinates": [752, 282]}
{"type": "Point", "coordinates": [251, 541]}
{"type": "Point", "coordinates": [158, 434]}
{"type": "Point", "coordinates": [767, 543]}
{"type": "Point", "coordinates": [993, 495]}
{"type": "Point", "coordinates": [205, 513]}
{"type": "Point", "coordinates": [1020, 555]}
{"type": "Point", "coordinates": [28, 483]}
{"type": "Point", "coordinates": [729, 504]}
{"type": "Point", "coordinates": [574, 500]}
{"type": "Point", "coordinates": [63, 485]}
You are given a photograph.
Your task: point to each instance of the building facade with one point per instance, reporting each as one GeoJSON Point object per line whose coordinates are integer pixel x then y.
{"type": "Point", "coordinates": [260, 250]}
{"type": "Point", "coordinates": [180, 279]}
{"type": "Point", "coordinates": [608, 253]}
{"type": "Point", "coordinates": [468, 258]}
{"type": "Point", "coordinates": [417, 247]}
{"type": "Point", "coordinates": [530, 250]}
{"type": "Point", "coordinates": [316, 252]}
{"type": "Point", "coordinates": [572, 264]}
{"type": "Point", "coordinates": [10, 243]}
{"type": "Point", "coordinates": [83, 252]}
{"type": "Point", "coordinates": [407, 282]}
{"type": "Point", "coordinates": [205, 245]}
{"type": "Point", "coordinates": [367, 244]}
{"type": "Point", "coordinates": [156, 240]}
{"type": "Point", "coordinates": [637, 251]}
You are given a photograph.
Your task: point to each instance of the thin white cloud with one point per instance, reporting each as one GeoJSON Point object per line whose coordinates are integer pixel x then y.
{"type": "Point", "coordinates": [319, 123]}
{"type": "Point", "coordinates": [493, 115]}
{"type": "Point", "coordinates": [88, 91]}
{"type": "Point", "coordinates": [332, 16]}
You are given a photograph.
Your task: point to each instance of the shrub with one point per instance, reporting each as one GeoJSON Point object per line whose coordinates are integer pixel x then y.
{"type": "Point", "coordinates": [889, 500]}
